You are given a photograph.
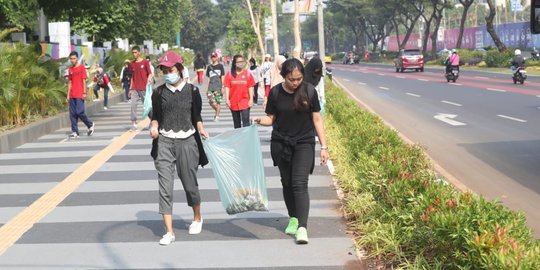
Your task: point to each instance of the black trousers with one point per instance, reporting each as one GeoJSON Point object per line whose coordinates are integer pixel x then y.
{"type": "Point", "coordinates": [294, 179]}
{"type": "Point", "coordinates": [241, 118]}
{"type": "Point", "coordinates": [255, 93]}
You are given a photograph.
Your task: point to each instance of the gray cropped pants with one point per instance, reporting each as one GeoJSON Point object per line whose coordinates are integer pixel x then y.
{"type": "Point", "coordinates": [183, 155]}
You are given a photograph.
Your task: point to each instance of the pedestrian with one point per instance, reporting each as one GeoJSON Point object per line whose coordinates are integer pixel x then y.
{"type": "Point", "coordinates": [275, 75]}
{"type": "Point", "coordinates": [266, 68]}
{"type": "Point", "coordinates": [142, 76]}
{"type": "Point", "coordinates": [199, 65]}
{"type": "Point", "coordinates": [255, 72]}
{"type": "Point", "coordinates": [313, 71]}
{"type": "Point", "coordinates": [151, 69]}
{"type": "Point", "coordinates": [293, 110]}
{"type": "Point", "coordinates": [239, 91]}
{"type": "Point", "coordinates": [176, 130]}
{"type": "Point", "coordinates": [76, 94]}
{"type": "Point", "coordinates": [125, 76]}
{"type": "Point", "coordinates": [214, 91]}
{"type": "Point", "coordinates": [102, 81]}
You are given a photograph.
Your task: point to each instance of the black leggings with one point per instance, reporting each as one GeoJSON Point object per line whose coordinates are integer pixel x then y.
{"type": "Point", "coordinates": [294, 178]}
{"type": "Point", "coordinates": [241, 118]}
{"type": "Point", "coordinates": [255, 93]}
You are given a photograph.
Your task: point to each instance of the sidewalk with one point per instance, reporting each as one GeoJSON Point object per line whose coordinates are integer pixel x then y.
{"type": "Point", "coordinates": [111, 220]}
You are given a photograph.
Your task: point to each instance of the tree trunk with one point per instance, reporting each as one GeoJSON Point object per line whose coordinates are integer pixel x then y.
{"type": "Point", "coordinates": [466, 5]}
{"type": "Point", "coordinates": [434, 35]}
{"type": "Point", "coordinates": [274, 28]}
{"type": "Point", "coordinates": [297, 39]}
{"type": "Point", "coordinates": [409, 32]}
{"type": "Point", "coordinates": [491, 30]}
{"type": "Point", "coordinates": [255, 27]}
{"type": "Point", "coordinates": [425, 38]}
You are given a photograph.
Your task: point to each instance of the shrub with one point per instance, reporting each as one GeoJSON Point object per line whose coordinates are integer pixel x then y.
{"type": "Point", "coordinates": [495, 58]}
{"type": "Point", "coordinates": [338, 56]}
{"type": "Point", "coordinates": [406, 217]}
{"type": "Point", "coordinates": [27, 88]}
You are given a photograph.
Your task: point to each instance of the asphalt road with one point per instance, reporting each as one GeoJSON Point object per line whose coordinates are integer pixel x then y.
{"type": "Point", "coordinates": [483, 130]}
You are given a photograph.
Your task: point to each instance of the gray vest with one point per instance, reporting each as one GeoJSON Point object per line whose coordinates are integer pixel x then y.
{"type": "Point", "coordinates": [176, 109]}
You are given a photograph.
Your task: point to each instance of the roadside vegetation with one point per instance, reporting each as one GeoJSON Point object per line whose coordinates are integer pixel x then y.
{"type": "Point", "coordinates": [403, 215]}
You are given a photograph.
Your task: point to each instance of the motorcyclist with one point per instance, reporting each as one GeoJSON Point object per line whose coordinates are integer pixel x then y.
{"type": "Point", "coordinates": [453, 61]}
{"type": "Point", "coordinates": [517, 62]}
{"type": "Point", "coordinates": [535, 54]}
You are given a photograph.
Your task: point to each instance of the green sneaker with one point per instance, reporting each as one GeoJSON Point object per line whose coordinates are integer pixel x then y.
{"type": "Point", "coordinates": [301, 236]}
{"type": "Point", "coordinates": [292, 227]}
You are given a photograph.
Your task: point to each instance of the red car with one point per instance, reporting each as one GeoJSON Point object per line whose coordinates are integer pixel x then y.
{"type": "Point", "coordinates": [410, 59]}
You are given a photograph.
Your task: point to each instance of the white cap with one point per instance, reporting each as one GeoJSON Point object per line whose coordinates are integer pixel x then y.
{"type": "Point", "coordinates": [517, 52]}
{"type": "Point", "coordinates": [267, 56]}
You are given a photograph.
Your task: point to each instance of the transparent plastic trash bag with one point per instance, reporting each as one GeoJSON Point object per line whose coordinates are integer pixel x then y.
{"type": "Point", "coordinates": [236, 160]}
{"type": "Point", "coordinates": [147, 101]}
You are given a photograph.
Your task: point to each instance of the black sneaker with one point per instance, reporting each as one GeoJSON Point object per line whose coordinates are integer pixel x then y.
{"type": "Point", "coordinates": [91, 130]}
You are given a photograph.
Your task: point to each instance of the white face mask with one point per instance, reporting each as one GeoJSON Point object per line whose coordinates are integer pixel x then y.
{"type": "Point", "coordinates": [172, 78]}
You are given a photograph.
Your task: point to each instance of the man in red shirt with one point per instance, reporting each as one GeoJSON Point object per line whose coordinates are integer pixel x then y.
{"type": "Point", "coordinates": [141, 76]}
{"type": "Point", "coordinates": [239, 85]}
{"type": "Point", "coordinates": [76, 95]}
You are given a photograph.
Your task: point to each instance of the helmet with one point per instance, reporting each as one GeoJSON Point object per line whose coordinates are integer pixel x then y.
{"type": "Point", "coordinates": [454, 51]}
{"type": "Point", "coordinates": [517, 52]}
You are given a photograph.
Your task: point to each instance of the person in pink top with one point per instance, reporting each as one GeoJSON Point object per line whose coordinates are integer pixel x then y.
{"type": "Point", "coordinates": [452, 61]}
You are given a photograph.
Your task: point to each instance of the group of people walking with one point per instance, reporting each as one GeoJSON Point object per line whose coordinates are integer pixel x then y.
{"type": "Point", "coordinates": [290, 102]}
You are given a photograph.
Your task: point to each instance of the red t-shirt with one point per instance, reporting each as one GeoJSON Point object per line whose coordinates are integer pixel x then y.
{"type": "Point", "coordinates": [106, 80]}
{"type": "Point", "coordinates": [239, 89]}
{"type": "Point", "coordinates": [141, 71]}
{"type": "Point", "coordinates": [77, 76]}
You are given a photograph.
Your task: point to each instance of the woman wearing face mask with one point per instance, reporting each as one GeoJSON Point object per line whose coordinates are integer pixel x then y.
{"type": "Point", "coordinates": [177, 129]}
{"type": "Point", "coordinates": [293, 110]}
{"type": "Point", "coordinates": [239, 85]}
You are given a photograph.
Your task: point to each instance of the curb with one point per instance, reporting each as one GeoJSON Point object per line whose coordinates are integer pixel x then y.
{"type": "Point", "coordinates": [11, 139]}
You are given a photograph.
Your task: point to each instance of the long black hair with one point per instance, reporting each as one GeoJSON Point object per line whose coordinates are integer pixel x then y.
{"type": "Point", "coordinates": [233, 64]}
{"type": "Point", "coordinates": [301, 101]}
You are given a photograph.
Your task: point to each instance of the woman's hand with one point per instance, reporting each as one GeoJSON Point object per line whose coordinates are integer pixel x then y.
{"type": "Point", "coordinates": [203, 133]}
{"type": "Point", "coordinates": [154, 132]}
{"type": "Point", "coordinates": [324, 156]}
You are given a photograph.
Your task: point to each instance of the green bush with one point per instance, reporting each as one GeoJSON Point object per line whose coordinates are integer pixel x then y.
{"type": "Point", "coordinates": [338, 56]}
{"type": "Point", "coordinates": [494, 58]}
{"type": "Point", "coordinates": [403, 215]}
{"type": "Point", "coordinates": [28, 88]}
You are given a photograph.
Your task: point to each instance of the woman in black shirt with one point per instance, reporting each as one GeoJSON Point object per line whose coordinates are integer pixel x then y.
{"type": "Point", "coordinates": [293, 110]}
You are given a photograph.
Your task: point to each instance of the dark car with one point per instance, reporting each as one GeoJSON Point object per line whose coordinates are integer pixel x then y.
{"type": "Point", "coordinates": [410, 59]}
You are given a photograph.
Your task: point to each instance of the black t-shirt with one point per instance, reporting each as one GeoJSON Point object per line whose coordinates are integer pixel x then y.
{"type": "Point", "coordinates": [288, 121]}
{"type": "Point", "coordinates": [215, 72]}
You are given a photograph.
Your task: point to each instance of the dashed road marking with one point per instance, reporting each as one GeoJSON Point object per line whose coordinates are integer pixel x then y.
{"type": "Point", "coordinates": [414, 95]}
{"type": "Point", "coordinates": [456, 84]}
{"type": "Point", "coordinates": [347, 80]}
{"type": "Point", "coordinates": [401, 77]}
{"type": "Point", "coordinates": [512, 118]}
{"type": "Point", "coordinates": [381, 74]}
{"type": "Point", "coordinates": [496, 90]}
{"type": "Point", "coordinates": [384, 88]}
{"type": "Point", "coordinates": [424, 80]}
{"type": "Point", "coordinates": [361, 83]}
{"type": "Point", "coordinates": [451, 103]}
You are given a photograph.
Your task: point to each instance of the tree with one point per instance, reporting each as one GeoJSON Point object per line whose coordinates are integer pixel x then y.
{"type": "Point", "coordinates": [20, 13]}
{"type": "Point", "coordinates": [256, 22]}
{"type": "Point", "coordinates": [240, 34]}
{"type": "Point", "coordinates": [406, 16]}
{"type": "Point", "coordinates": [204, 24]}
{"type": "Point", "coordinates": [491, 30]}
{"type": "Point", "coordinates": [466, 5]}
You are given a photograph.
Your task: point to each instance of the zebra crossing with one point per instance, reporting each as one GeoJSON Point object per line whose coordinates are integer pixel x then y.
{"type": "Point", "coordinates": [111, 220]}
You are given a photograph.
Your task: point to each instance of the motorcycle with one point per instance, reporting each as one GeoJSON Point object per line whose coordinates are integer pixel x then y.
{"type": "Point", "coordinates": [520, 75]}
{"type": "Point", "coordinates": [452, 74]}
{"type": "Point", "coordinates": [535, 55]}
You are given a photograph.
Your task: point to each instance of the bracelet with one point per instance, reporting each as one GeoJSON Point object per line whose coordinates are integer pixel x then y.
{"type": "Point", "coordinates": [324, 147]}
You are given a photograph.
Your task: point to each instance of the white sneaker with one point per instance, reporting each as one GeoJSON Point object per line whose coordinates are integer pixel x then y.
{"type": "Point", "coordinates": [105, 108]}
{"type": "Point", "coordinates": [134, 126]}
{"type": "Point", "coordinates": [73, 135]}
{"type": "Point", "coordinates": [195, 227]}
{"type": "Point", "coordinates": [96, 99]}
{"type": "Point", "coordinates": [167, 239]}
{"type": "Point", "coordinates": [216, 118]}
{"type": "Point", "coordinates": [91, 130]}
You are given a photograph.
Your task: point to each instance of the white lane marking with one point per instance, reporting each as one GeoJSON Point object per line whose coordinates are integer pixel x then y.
{"type": "Point", "coordinates": [424, 80]}
{"type": "Point", "coordinates": [347, 80]}
{"type": "Point", "coordinates": [384, 88]}
{"type": "Point", "coordinates": [414, 95]}
{"type": "Point", "coordinates": [479, 77]}
{"type": "Point", "coordinates": [512, 118]}
{"type": "Point", "coordinates": [496, 90]}
{"type": "Point", "coordinates": [457, 84]}
{"type": "Point", "coordinates": [361, 83]}
{"type": "Point", "coordinates": [451, 103]}
{"type": "Point", "coordinates": [401, 77]}
{"type": "Point", "coordinates": [447, 118]}
{"type": "Point", "coordinates": [538, 96]}
{"type": "Point", "coordinates": [381, 74]}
